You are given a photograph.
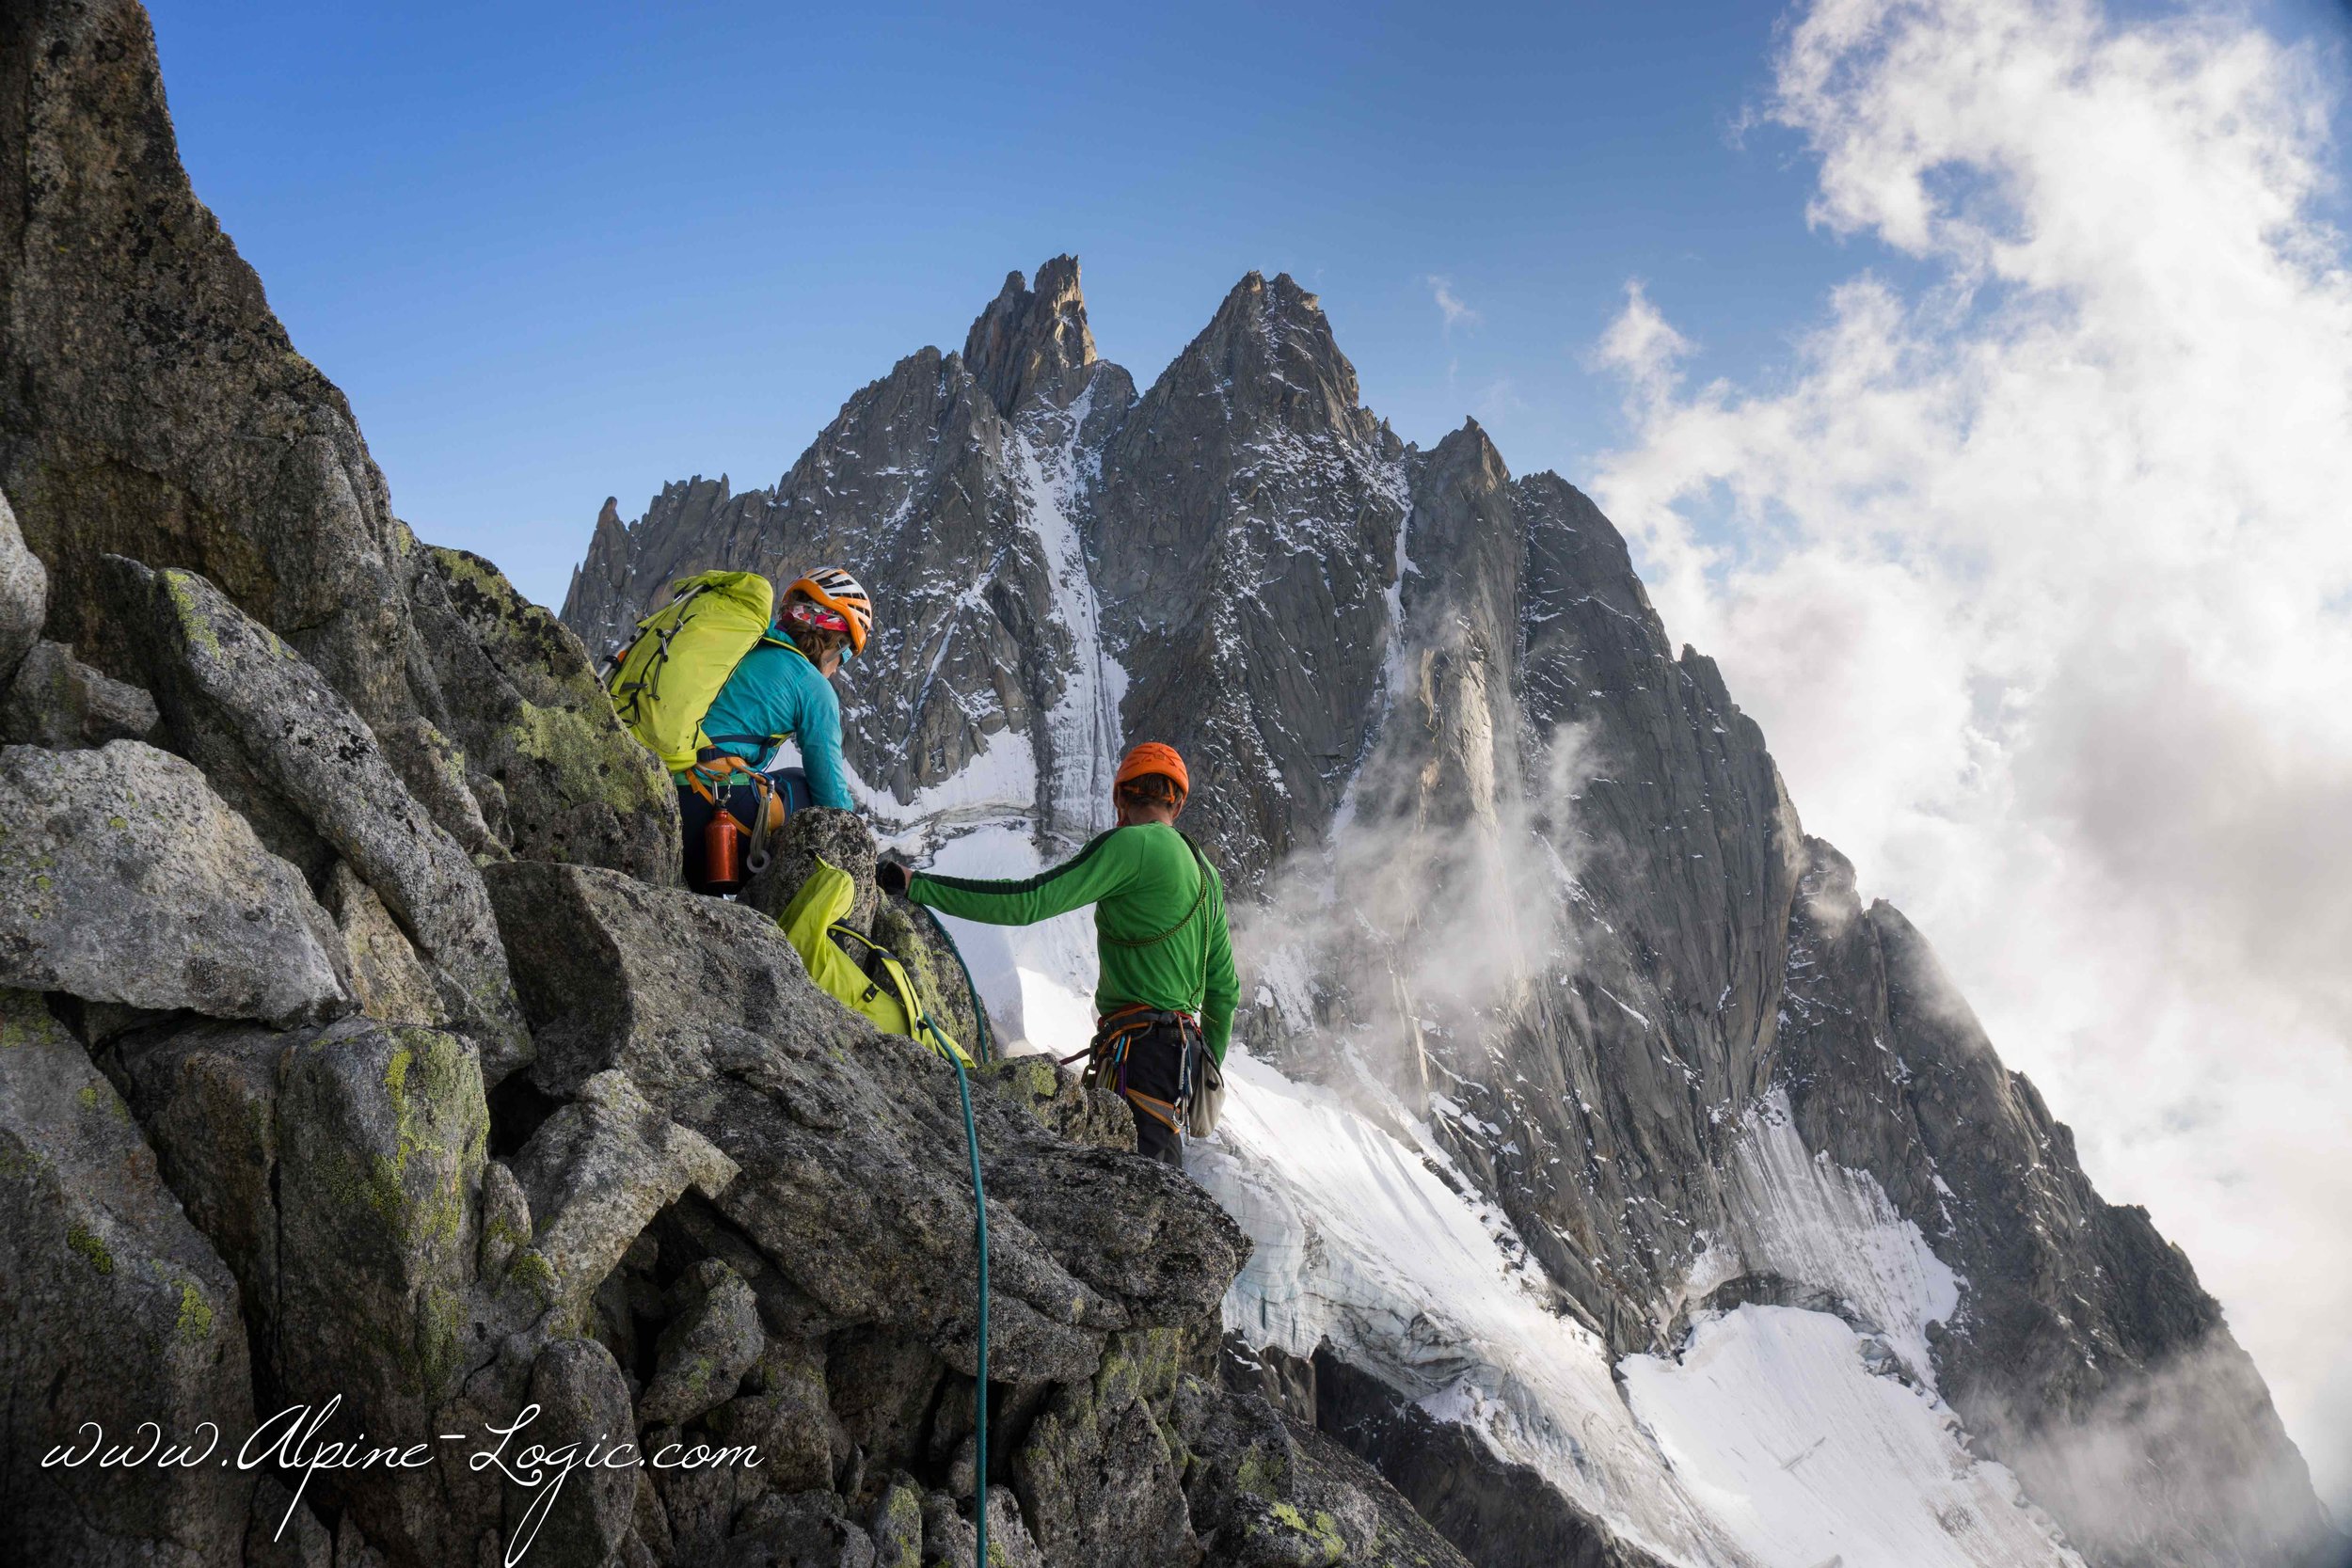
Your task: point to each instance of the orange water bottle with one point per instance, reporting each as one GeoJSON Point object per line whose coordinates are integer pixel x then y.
{"type": "Point", "coordinates": [722, 852]}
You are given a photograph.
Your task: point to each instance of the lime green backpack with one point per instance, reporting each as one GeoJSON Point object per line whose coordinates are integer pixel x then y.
{"type": "Point", "coordinates": [665, 681]}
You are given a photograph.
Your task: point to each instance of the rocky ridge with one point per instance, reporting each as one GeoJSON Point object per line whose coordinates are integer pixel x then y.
{"type": "Point", "coordinates": [1591, 964]}
{"type": "Point", "coordinates": [364, 1077]}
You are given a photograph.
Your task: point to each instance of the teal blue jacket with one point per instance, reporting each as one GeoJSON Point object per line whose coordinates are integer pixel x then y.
{"type": "Point", "coordinates": [775, 691]}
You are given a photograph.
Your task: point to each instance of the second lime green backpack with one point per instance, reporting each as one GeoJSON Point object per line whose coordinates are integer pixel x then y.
{"type": "Point", "coordinates": [665, 681]}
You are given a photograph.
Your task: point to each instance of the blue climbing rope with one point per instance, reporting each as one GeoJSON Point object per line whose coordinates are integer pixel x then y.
{"type": "Point", "coordinates": [979, 1419]}
{"type": "Point", "coordinates": [980, 1221]}
{"type": "Point", "coordinates": [979, 1009]}
{"type": "Point", "coordinates": [979, 1229]}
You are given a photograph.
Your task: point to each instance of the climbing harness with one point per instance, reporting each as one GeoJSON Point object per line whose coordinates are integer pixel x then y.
{"type": "Point", "coordinates": [718, 773]}
{"type": "Point", "coordinates": [1109, 1054]}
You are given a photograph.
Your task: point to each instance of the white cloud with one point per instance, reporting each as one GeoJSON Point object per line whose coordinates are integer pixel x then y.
{"type": "Point", "coordinates": [1451, 304]}
{"type": "Point", "coordinates": [2039, 577]}
{"type": "Point", "coordinates": [1644, 348]}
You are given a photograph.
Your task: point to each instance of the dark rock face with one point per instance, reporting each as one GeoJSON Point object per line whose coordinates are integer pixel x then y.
{"type": "Point", "coordinates": [154, 409]}
{"type": "Point", "coordinates": [1039, 542]}
{"type": "Point", "coordinates": [1419, 668]}
{"type": "Point", "coordinates": [2152, 1435]}
{"type": "Point", "coordinates": [1496, 1512]}
{"type": "Point", "coordinates": [1248, 528]}
{"type": "Point", "coordinates": [931, 493]}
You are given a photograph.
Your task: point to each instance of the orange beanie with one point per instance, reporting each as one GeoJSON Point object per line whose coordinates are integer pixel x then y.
{"type": "Point", "coordinates": [1150, 756]}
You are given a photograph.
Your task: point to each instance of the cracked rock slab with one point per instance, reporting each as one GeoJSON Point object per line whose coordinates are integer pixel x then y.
{"type": "Point", "coordinates": [125, 878]}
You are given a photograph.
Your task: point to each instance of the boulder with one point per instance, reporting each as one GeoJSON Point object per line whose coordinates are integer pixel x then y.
{"type": "Point", "coordinates": [784, 1411]}
{"type": "Point", "coordinates": [284, 1533]}
{"type": "Point", "coordinates": [1063, 1101]}
{"type": "Point", "coordinates": [207, 1095]}
{"type": "Point", "coordinates": [1267, 1489]}
{"type": "Point", "coordinates": [59, 702]}
{"type": "Point", "coordinates": [949, 1538]}
{"type": "Point", "coordinates": [839, 838]}
{"type": "Point", "coordinates": [336, 1170]}
{"type": "Point", "coordinates": [595, 1174]}
{"type": "Point", "coordinates": [543, 751]}
{"type": "Point", "coordinates": [713, 1338]}
{"type": "Point", "coordinates": [382, 1137]}
{"type": "Point", "coordinates": [124, 878]}
{"type": "Point", "coordinates": [897, 1526]}
{"type": "Point", "coordinates": [382, 1257]}
{"type": "Point", "coordinates": [117, 1312]}
{"type": "Point", "coordinates": [801, 1529]}
{"type": "Point", "coordinates": [1094, 1473]}
{"type": "Point", "coordinates": [24, 595]}
{"type": "Point", "coordinates": [580, 1517]}
{"type": "Point", "coordinates": [388, 980]}
{"type": "Point", "coordinates": [251, 710]}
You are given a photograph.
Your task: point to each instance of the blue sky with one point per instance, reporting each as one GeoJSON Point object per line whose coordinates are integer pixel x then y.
{"type": "Point", "coordinates": [556, 253]}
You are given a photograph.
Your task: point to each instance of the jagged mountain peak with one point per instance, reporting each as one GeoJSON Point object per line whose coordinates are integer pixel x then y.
{"type": "Point", "coordinates": [1470, 445]}
{"type": "Point", "coordinates": [1031, 341]}
{"type": "Point", "coordinates": [1270, 351]}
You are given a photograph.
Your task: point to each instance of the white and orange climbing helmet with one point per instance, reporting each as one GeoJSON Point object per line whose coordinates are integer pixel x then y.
{"type": "Point", "coordinates": [835, 601]}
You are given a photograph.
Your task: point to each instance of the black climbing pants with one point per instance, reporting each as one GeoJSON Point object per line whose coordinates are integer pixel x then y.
{"type": "Point", "coordinates": [1155, 1066]}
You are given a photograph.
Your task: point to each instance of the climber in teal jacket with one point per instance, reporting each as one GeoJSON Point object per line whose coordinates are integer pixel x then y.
{"type": "Point", "coordinates": [780, 691]}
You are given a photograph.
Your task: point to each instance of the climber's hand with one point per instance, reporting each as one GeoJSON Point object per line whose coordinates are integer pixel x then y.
{"type": "Point", "coordinates": [891, 877]}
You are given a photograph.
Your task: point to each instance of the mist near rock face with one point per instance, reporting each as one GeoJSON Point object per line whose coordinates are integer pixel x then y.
{"type": "Point", "coordinates": [2061, 525]}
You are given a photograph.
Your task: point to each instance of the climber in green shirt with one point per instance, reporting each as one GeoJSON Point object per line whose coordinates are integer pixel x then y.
{"type": "Point", "coordinates": [1167, 990]}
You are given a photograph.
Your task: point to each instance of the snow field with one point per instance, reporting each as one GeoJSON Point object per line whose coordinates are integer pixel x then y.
{"type": "Point", "coordinates": [1776, 1426]}
{"type": "Point", "coordinates": [1807, 1219]}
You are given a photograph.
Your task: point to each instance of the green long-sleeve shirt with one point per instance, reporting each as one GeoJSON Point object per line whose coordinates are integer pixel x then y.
{"type": "Point", "coordinates": [1142, 880]}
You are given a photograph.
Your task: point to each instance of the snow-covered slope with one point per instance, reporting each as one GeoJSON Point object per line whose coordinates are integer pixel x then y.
{"type": "Point", "coordinates": [1776, 1438]}
{"type": "Point", "coordinates": [1787, 1429]}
